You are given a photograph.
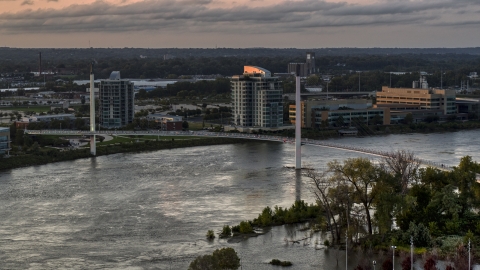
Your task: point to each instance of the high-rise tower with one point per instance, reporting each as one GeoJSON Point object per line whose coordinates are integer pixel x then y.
{"type": "Point", "coordinates": [116, 99]}
{"type": "Point", "coordinates": [257, 99]}
{"type": "Point", "coordinates": [310, 63]}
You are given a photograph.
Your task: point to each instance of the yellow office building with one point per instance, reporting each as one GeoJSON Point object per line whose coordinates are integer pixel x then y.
{"type": "Point", "coordinates": [418, 99]}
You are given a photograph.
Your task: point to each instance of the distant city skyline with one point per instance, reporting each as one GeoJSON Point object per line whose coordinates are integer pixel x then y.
{"type": "Point", "coordinates": [239, 24]}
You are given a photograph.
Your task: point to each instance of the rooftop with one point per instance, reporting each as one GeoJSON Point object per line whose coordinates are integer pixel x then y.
{"type": "Point", "coordinates": [255, 70]}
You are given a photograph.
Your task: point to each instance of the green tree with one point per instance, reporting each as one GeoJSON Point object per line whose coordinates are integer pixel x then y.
{"type": "Point", "coordinates": [312, 80]}
{"type": "Point", "coordinates": [339, 122]}
{"type": "Point", "coordinates": [408, 119]}
{"type": "Point", "coordinates": [363, 175]}
{"type": "Point", "coordinates": [185, 125]}
{"type": "Point", "coordinates": [225, 258]}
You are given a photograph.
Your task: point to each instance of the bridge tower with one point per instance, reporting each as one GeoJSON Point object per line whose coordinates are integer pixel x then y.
{"type": "Point", "coordinates": [93, 146]}
{"type": "Point", "coordinates": [298, 122]}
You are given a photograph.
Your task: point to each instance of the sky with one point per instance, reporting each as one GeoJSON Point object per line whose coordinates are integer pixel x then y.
{"type": "Point", "coordinates": [239, 23]}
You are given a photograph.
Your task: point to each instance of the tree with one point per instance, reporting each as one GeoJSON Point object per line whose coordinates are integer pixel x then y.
{"type": "Point", "coordinates": [79, 123]}
{"type": "Point", "coordinates": [205, 262]}
{"type": "Point", "coordinates": [407, 263]}
{"type": "Point", "coordinates": [362, 174]}
{"type": "Point", "coordinates": [404, 166]}
{"type": "Point", "coordinates": [82, 100]}
{"type": "Point", "coordinates": [387, 264]}
{"type": "Point", "coordinates": [339, 122]}
{"type": "Point", "coordinates": [408, 119]}
{"type": "Point", "coordinates": [430, 264]}
{"type": "Point", "coordinates": [185, 125]}
{"type": "Point", "coordinates": [312, 80]}
{"type": "Point", "coordinates": [225, 258]}
{"type": "Point", "coordinates": [321, 185]}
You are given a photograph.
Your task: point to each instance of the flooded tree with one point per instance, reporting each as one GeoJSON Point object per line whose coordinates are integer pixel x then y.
{"type": "Point", "coordinates": [404, 166]}
{"type": "Point", "coordinates": [362, 175]}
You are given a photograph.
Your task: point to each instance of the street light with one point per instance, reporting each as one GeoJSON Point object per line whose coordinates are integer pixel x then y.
{"type": "Point", "coordinates": [469, 253]}
{"type": "Point", "coordinates": [374, 263]}
{"type": "Point", "coordinates": [393, 257]}
{"type": "Point", "coordinates": [411, 252]}
{"type": "Point", "coordinates": [346, 250]}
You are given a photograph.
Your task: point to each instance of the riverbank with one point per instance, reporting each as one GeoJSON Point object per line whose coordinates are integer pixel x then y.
{"type": "Point", "coordinates": [49, 155]}
{"type": "Point", "coordinates": [378, 130]}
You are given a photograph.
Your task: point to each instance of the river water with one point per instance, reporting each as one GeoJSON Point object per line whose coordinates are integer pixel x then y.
{"type": "Point", "coordinates": [151, 210]}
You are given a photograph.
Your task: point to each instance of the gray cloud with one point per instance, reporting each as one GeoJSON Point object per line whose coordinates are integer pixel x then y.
{"type": "Point", "coordinates": [27, 2]}
{"type": "Point", "coordinates": [52, 0]}
{"type": "Point", "coordinates": [195, 16]}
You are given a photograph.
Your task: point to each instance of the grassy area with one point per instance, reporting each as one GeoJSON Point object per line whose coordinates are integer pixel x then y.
{"type": "Point", "coordinates": [195, 125]}
{"type": "Point", "coordinates": [37, 109]}
{"type": "Point", "coordinates": [116, 140]}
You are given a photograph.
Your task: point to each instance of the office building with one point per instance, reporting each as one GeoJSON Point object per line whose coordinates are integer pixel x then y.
{"type": "Point", "coordinates": [257, 99]}
{"type": "Point", "coordinates": [417, 99]}
{"type": "Point", "coordinates": [4, 140]}
{"type": "Point", "coordinates": [166, 122]}
{"type": "Point", "coordinates": [292, 69]}
{"type": "Point", "coordinates": [306, 68]}
{"type": "Point", "coordinates": [316, 113]}
{"type": "Point", "coordinates": [310, 64]}
{"type": "Point", "coordinates": [116, 100]}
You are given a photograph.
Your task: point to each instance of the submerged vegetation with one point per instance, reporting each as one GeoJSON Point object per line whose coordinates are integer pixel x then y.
{"type": "Point", "coordinates": [280, 263]}
{"type": "Point", "coordinates": [433, 208]}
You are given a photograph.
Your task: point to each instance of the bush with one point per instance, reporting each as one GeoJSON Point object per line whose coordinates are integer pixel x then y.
{"type": "Point", "coordinates": [407, 263]}
{"type": "Point", "coordinates": [210, 235]}
{"type": "Point", "coordinates": [280, 263]}
{"type": "Point", "coordinates": [326, 243]}
{"type": "Point", "coordinates": [430, 264]}
{"type": "Point", "coordinates": [387, 264]}
{"type": "Point", "coordinates": [226, 231]}
{"type": "Point", "coordinates": [420, 233]}
{"type": "Point", "coordinates": [225, 258]}
{"type": "Point", "coordinates": [245, 227]}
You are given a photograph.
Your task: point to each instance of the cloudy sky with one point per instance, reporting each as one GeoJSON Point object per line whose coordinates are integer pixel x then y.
{"type": "Point", "coordinates": [240, 23]}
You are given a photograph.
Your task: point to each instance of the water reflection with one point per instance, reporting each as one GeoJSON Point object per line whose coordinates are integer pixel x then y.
{"type": "Point", "coordinates": [152, 210]}
{"type": "Point", "coordinates": [298, 185]}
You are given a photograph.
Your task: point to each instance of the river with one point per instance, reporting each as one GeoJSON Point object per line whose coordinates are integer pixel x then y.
{"type": "Point", "coordinates": [152, 210]}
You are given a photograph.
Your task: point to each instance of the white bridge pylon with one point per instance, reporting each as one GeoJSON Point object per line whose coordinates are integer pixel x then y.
{"type": "Point", "coordinates": [158, 133]}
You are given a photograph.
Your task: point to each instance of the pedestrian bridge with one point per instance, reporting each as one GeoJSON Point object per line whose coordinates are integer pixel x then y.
{"type": "Point", "coordinates": [258, 137]}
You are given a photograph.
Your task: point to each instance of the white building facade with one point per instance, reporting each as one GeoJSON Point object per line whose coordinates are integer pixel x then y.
{"type": "Point", "coordinates": [257, 99]}
{"type": "Point", "coordinates": [116, 98]}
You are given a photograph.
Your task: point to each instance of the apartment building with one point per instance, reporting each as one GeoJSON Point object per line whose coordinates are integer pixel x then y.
{"type": "Point", "coordinates": [116, 98]}
{"type": "Point", "coordinates": [257, 99]}
{"type": "Point", "coordinates": [4, 140]}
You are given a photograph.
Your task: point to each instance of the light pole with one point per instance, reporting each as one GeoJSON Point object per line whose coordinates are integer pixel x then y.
{"type": "Point", "coordinates": [411, 252]}
{"type": "Point", "coordinates": [346, 250]}
{"type": "Point", "coordinates": [393, 257]}
{"type": "Point", "coordinates": [469, 253]}
{"type": "Point", "coordinates": [374, 263]}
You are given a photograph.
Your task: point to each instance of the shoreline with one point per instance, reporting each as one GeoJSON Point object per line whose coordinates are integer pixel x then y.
{"type": "Point", "coordinates": [53, 155]}
{"type": "Point", "coordinates": [48, 156]}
